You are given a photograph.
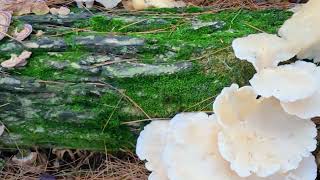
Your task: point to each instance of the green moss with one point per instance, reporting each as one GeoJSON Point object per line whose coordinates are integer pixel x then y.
{"type": "Point", "coordinates": [159, 96]}
{"type": "Point", "coordinates": [70, 135]}
{"type": "Point", "coordinates": [103, 24]}
{"type": "Point", "coordinates": [16, 24]}
{"type": "Point", "coordinates": [165, 96]}
{"type": "Point", "coordinates": [38, 66]}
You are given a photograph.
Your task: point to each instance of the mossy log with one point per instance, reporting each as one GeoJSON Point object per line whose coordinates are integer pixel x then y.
{"type": "Point", "coordinates": [94, 79]}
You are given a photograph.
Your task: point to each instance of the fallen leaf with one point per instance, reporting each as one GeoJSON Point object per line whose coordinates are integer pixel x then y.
{"type": "Point", "coordinates": [25, 160]}
{"type": "Point", "coordinates": [5, 21]}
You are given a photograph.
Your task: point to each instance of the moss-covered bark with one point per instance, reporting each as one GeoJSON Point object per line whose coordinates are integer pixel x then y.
{"type": "Point", "coordinates": [92, 74]}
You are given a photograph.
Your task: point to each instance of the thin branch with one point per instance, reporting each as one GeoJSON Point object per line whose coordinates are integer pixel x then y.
{"type": "Point", "coordinates": [3, 105]}
{"type": "Point", "coordinates": [112, 62]}
{"type": "Point", "coordinates": [145, 120]}
{"type": "Point", "coordinates": [112, 113]}
{"type": "Point", "coordinates": [134, 23]}
{"type": "Point", "coordinates": [253, 27]}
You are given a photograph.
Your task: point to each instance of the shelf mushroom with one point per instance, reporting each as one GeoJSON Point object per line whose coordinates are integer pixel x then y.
{"type": "Point", "coordinates": [192, 152]}
{"type": "Point", "coordinates": [288, 83]}
{"type": "Point", "coordinates": [258, 136]}
{"type": "Point", "coordinates": [307, 170]}
{"type": "Point", "coordinates": [263, 50]}
{"type": "Point", "coordinates": [150, 146]}
{"type": "Point", "coordinates": [296, 85]}
{"type": "Point", "coordinates": [302, 30]}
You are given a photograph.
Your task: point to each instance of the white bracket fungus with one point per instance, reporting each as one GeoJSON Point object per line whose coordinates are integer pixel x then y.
{"type": "Point", "coordinates": [302, 30]}
{"type": "Point", "coordinates": [287, 83]}
{"type": "Point", "coordinates": [186, 148]}
{"type": "Point", "coordinates": [304, 108]}
{"type": "Point", "coordinates": [150, 145]}
{"type": "Point", "coordinates": [191, 151]}
{"type": "Point", "coordinates": [307, 170]}
{"type": "Point", "coordinates": [263, 50]}
{"type": "Point", "coordinates": [256, 139]}
{"type": "Point", "coordinates": [296, 85]}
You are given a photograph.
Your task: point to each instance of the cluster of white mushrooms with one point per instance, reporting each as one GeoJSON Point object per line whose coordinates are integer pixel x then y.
{"type": "Point", "coordinates": [262, 131]}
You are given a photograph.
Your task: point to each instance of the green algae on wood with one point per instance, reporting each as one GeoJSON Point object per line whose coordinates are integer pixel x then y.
{"type": "Point", "coordinates": [62, 99]}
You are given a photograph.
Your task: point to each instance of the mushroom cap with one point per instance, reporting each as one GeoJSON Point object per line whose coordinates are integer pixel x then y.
{"type": "Point", "coordinates": [307, 170]}
{"type": "Point", "coordinates": [308, 107]}
{"type": "Point", "coordinates": [304, 108]}
{"type": "Point", "coordinates": [226, 105]}
{"type": "Point", "coordinates": [192, 151]}
{"type": "Point", "coordinates": [24, 33]}
{"type": "Point", "coordinates": [150, 145]}
{"type": "Point", "coordinates": [263, 50]}
{"type": "Point", "coordinates": [257, 142]}
{"type": "Point", "coordinates": [109, 4]}
{"type": "Point", "coordinates": [287, 83]}
{"type": "Point", "coordinates": [5, 21]}
{"type": "Point", "coordinates": [302, 30]}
